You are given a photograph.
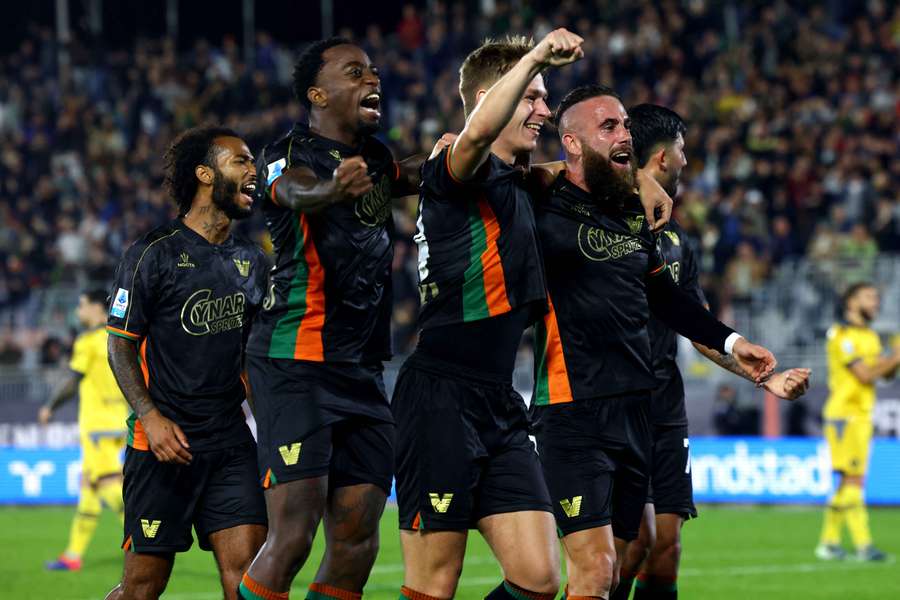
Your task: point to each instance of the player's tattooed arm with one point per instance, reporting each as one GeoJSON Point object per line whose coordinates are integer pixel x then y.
{"type": "Point", "coordinates": [473, 146]}
{"type": "Point", "coordinates": [787, 385]}
{"type": "Point", "coordinates": [165, 438]}
{"type": "Point", "coordinates": [300, 190]}
{"type": "Point", "coordinates": [65, 391]}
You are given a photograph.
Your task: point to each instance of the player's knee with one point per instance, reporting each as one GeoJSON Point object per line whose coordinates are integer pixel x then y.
{"type": "Point", "coordinates": [594, 570]}
{"type": "Point", "coordinates": [355, 552]}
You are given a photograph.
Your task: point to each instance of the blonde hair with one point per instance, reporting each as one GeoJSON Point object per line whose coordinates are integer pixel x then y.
{"type": "Point", "coordinates": [487, 64]}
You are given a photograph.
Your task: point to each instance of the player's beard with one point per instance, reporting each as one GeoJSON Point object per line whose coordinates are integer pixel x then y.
{"type": "Point", "coordinates": [671, 186]}
{"type": "Point", "coordinates": [224, 196]}
{"type": "Point", "coordinates": [609, 188]}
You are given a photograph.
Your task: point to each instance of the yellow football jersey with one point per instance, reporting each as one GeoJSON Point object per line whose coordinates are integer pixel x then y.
{"type": "Point", "coordinates": [102, 406]}
{"type": "Point", "coordinates": [849, 396]}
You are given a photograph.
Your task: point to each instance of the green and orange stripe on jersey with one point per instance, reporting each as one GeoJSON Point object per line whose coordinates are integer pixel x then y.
{"type": "Point", "coordinates": [298, 334]}
{"type": "Point", "coordinates": [484, 284]}
{"type": "Point", "coordinates": [551, 374]}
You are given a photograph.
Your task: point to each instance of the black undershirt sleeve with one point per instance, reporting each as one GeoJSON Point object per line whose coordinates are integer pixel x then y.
{"type": "Point", "coordinates": [681, 312]}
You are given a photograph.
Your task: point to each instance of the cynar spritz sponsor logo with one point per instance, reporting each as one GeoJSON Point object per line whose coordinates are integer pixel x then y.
{"type": "Point", "coordinates": [203, 314]}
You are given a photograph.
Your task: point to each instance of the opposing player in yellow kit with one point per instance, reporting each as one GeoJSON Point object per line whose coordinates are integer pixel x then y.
{"type": "Point", "coordinates": [854, 364]}
{"type": "Point", "coordinates": [101, 420]}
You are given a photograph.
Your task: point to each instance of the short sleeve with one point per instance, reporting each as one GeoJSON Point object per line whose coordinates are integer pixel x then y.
{"type": "Point", "coordinates": [439, 179]}
{"type": "Point", "coordinates": [134, 293]}
{"type": "Point", "coordinates": [846, 349]}
{"type": "Point", "coordinates": [81, 356]}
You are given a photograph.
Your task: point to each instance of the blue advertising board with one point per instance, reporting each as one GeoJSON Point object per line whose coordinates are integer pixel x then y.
{"type": "Point", "coordinates": [735, 470]}
{"type": "Point", "coordinates": [783, 470]}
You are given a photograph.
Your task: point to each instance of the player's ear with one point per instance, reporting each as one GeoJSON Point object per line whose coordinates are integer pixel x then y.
{"type": "Point", "coordinates": [479, 95]}
{"type": "Point", "coordinates": [204, 174]}
{"type": "Point", "coordinates": [659, 157]}
{"type": "Point", "coordinates": [572, 144]}
{"type": "Point", "coordinates": [317, 97]}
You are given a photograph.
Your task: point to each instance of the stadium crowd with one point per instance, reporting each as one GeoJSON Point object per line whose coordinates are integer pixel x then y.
{"type": "Point", "coordinates": [793, 111]}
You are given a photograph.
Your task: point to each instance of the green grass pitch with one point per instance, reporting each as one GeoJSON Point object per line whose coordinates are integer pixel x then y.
{"type": "Point", "coordinates": [729, 553]}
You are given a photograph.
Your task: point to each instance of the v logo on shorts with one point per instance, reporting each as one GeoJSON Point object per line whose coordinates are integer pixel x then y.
{"type": "Point", "coordinates": [441, 503]}
{"type": "Point", "coordinates": [571, 508]}
{"type": "Point", "coordinates": [150, 528]}
{"type": "Point", "coordinates": [290, 454]}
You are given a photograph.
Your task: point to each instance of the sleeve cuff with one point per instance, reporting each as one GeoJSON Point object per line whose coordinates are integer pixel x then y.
{"type": "Point", "coordinates": [122, 333]}
{"type": "Point", "coordinates": [730, 341]}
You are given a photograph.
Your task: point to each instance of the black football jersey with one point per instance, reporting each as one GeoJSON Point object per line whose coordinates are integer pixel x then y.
{"type": "Point", "coordinates": [329, 296]}
{"type": "Point", "coordinates": [479, 255]}
{"type": "Point", "coordinates": [682, 266]}
{"type": "Point", "coordinates": [594, 340]}
{"type": "Point", "coordinates": [188, 304]}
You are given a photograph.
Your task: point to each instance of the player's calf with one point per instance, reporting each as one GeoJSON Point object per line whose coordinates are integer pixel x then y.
{"type": "Point", "coordinates": [295, 509]}
{"type": "Point", "coordinates": [145, 577]}
{"type": "Point", "coordinates": [351, 533]}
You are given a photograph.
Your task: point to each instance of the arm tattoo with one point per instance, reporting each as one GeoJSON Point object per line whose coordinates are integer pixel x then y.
{"type": "Point", "coordinates": [123, 360]}
{"type": "Point", "coordinates": [726, 361]}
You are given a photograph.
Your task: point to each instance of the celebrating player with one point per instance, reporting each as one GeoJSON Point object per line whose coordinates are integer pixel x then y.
{"type": "Point", "coordinates": [593, 368]}
{"type": "Point", "coordinates": [854, 365]}
{"type": "Point", "coordinates": [464, 459]}
{"type": "Point", "coordinates": [658, 138]}
{"type": "Point", "coordinates": [101, 423]}
{"type": "Point", "coordinates": [183, 300]}
{"type": "Point", "coordinates": [315, 353]}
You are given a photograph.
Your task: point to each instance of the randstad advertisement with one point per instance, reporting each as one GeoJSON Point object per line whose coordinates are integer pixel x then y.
{"type": "Point", "coordinates": [739, 470]}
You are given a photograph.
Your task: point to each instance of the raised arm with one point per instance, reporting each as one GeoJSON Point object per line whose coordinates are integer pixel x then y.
{"type": "Point", "coordinates": [166, 439]}
{"type": "Point", "coordinates": [472, 147]}
{"type": "Point", "coordinates": [300, 190]}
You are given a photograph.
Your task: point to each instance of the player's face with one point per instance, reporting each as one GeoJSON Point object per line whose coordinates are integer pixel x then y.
{"type": "Point", "coordinates": [352, 88]}
{"type": "Point", "coordinates": [521, 133]}
{"type": "Point", "coordinates": [868, 303]}
{"type": "Point", "coordinates": [83, 310]}
{"type": "Point", "coordinates": [675, 163]}
{"type": "Point", "coordinates": [604, 126]}
{"type": "Point", "coordinates": [234, 182]}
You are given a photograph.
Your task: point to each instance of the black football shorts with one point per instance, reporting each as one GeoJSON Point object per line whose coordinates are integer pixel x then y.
{"type": "Point", "coordinates": [316, 419]}
{"type": "Point", "coordinates": [218, 490]}
{"type": "Point", "coordinates": [463, 451]}
{"type": "Point", "coordinates": [595, 457]}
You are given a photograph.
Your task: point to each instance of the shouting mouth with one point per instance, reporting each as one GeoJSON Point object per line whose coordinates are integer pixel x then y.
{"type": "Point", "coordinates": [371, 105]}
{"type": "Point", "coordinates": [248, 190]}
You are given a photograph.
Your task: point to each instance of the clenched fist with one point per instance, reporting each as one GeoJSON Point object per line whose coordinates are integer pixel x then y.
{"type": "Point", "coordinates": [351, 179]}
{"type": "Point", "coordinates": [560, 47]}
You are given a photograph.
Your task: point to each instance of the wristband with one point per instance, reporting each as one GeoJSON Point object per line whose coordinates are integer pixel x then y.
{"type": "Point", "coordinates": [730, 341]}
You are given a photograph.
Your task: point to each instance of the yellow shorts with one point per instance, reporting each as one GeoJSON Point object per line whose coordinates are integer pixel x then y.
{"type": "Point", "coordinates": [101, 455]}
{"type": "Point", "coordinates": [849, 440]}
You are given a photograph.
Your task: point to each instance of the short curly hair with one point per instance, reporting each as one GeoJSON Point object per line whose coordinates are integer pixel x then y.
{"type": "Point", "coordinates": [193, 147]}
{"type": "Point", "coordinates": [308, 65]}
